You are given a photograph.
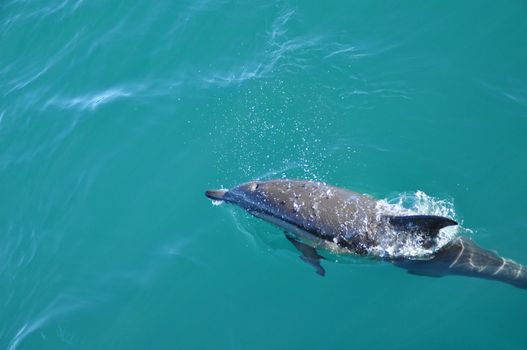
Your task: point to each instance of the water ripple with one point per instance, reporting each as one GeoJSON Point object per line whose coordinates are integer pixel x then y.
{"type": "Point", "coordinates": [188, 14]}
{"type": "Point", "coordinates": [61, 305]}
{"type": "Point", "coordinates": [512, 93]}
{"type": "Point", "coordinates": [345, 49]}
{"type": "Point", "coordinates": [91, 101]}
{"type": "Point", "coordinates": [355, 51]}
{"type": "Point", "coordinates": [35, 73]}
{"type": "Point", "coordinates": [278, 50]}
{"type": "Point", "coordinates": [17, 249]}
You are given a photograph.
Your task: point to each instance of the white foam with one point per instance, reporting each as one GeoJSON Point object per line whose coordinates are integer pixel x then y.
{"type": "Point", "coordinates": [414, 203]}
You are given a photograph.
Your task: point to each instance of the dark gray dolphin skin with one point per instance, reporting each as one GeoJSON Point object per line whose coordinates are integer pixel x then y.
{"type": "Point", "coordinates": [315, 216]}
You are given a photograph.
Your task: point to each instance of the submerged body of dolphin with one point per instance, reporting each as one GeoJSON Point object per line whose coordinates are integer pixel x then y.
{"type": "Point", "coordinates": [315, 216]}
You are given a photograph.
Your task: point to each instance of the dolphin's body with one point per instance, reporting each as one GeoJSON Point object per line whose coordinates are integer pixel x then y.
{"type": "Point", "coordinates": [315, 216]}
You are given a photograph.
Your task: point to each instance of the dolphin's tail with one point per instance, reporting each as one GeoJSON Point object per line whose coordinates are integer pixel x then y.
{"type": "Point", "coordinates": [464, 257]}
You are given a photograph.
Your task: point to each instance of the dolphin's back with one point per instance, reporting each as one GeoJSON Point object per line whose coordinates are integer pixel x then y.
{"type": "Point", "coordinates": [332, 213]}
{"type": "Point", "coordinates": [341, 218]}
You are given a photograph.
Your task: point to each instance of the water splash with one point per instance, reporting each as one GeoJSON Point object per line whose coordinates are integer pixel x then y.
{"type": "Point", "coordinates": [415, 203]}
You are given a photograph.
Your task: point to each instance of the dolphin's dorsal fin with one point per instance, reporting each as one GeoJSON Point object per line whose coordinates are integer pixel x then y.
{"type": "Point", "coordinates": [427, 224]}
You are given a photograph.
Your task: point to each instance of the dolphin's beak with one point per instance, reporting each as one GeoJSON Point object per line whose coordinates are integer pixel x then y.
{"type": "Point", "coordinates": [217, 195]}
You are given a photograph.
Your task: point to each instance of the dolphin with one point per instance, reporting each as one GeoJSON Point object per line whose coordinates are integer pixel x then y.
{"type": "Point", "coordinates": [316, 216]}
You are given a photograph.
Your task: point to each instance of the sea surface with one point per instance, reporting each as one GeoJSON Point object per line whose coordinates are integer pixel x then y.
{"type": "Point", "coordinates": [116, 116]}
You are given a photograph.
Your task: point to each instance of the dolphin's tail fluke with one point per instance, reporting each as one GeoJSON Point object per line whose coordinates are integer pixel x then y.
{"type": "Point", "coordinates": [464, 257]}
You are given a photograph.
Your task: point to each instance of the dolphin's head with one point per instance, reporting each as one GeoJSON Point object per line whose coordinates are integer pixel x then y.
{"type": "Point", "coordinates": [281, 198]}
{"type": "Point", "coordinates": [251, 196]}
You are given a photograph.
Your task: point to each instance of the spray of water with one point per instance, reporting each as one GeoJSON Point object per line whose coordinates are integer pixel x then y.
{"type": "Point", "coordinates": [394, 245]}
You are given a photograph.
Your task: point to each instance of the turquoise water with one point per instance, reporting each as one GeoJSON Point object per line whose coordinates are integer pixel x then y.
{"type": "Point", "coordinates": [116, 116]}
